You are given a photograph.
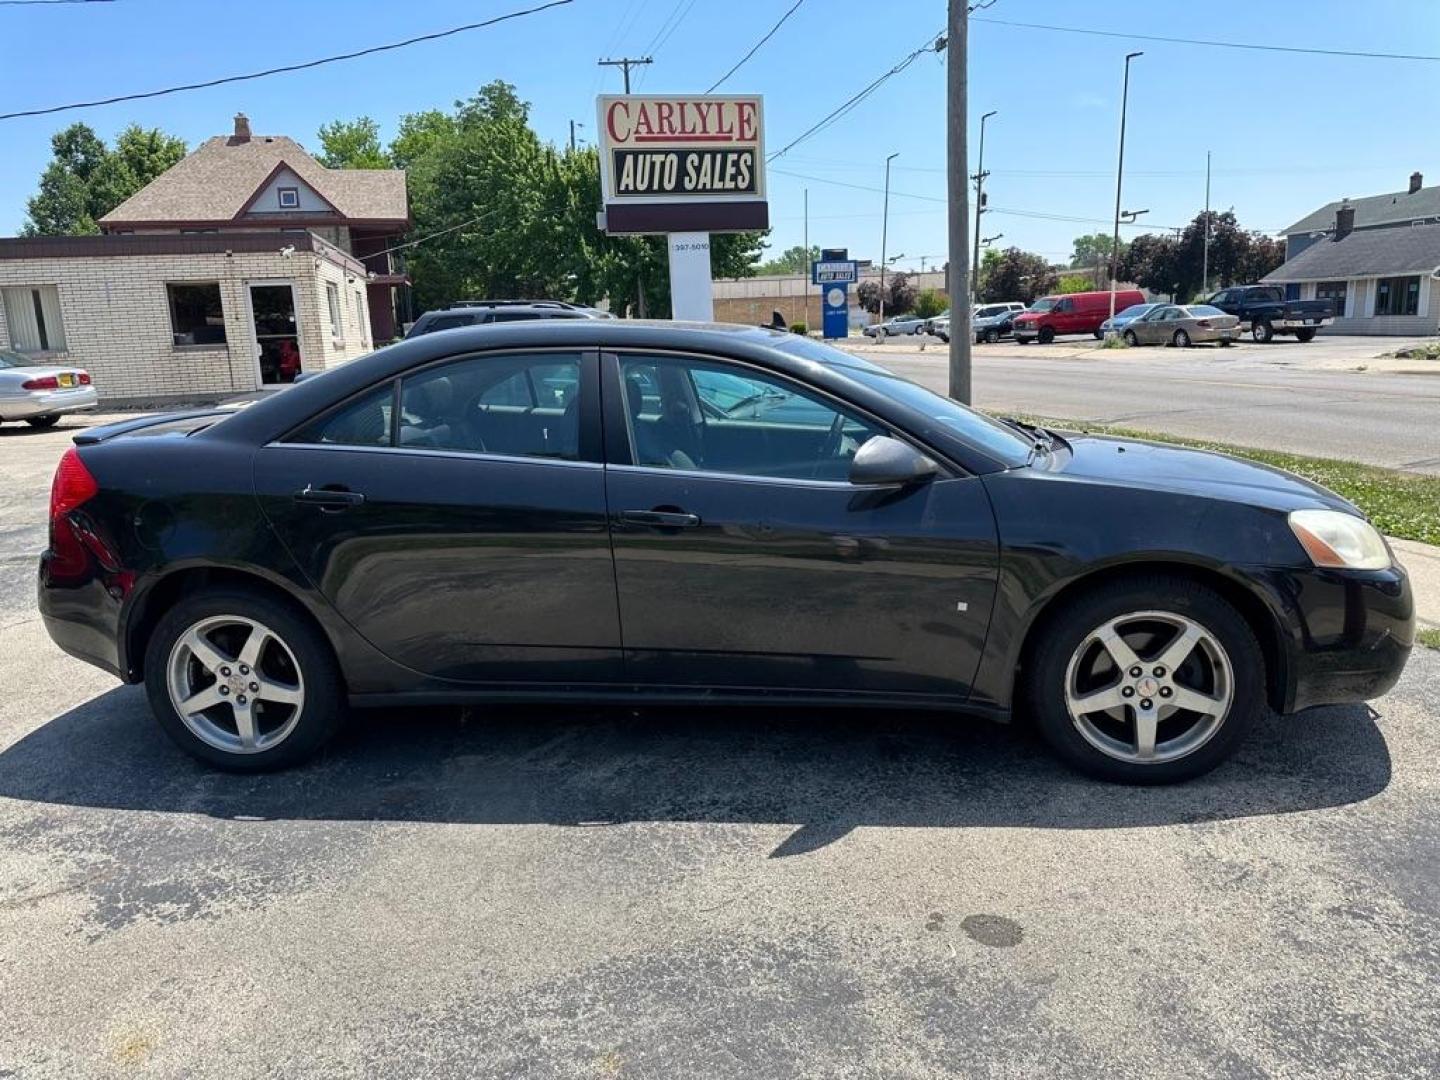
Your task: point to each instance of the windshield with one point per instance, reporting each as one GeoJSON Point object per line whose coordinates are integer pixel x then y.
{"type": "Point", "coordinates": [10, 358]}
{"type": "Point", "coordinates": [998, 440]}
{"type": "Point", "coordinates": [1134, 311]}
{"type": "Point", "coordinates": [1043, 305]}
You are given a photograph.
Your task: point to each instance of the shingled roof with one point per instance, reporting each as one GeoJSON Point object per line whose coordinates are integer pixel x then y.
{"type": "Point", "coordinates": [1365, 253]}
{"type": "Point", "coordinates": [217, 180]}
{"type": "Point", "coordinates": [1389, 209]}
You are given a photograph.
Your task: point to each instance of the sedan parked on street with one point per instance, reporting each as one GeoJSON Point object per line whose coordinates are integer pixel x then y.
{"type": "Point", "coordinates": [904, 324]}
{"type": "Point", "coordinates": [40, 391]}
{"type": "Point", "coordinates": [596, 510]}
{"type": "Point", "coordinates": [1182, 325]}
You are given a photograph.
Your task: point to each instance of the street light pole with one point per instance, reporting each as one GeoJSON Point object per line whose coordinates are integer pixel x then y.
{"type": "Point", "coordinates": [884, 232]}
{"type": "Point", "coordinates": [1119, 177]}
{"type": "Point", "coordinates": [979, 209]}
{"type": "Point", "coordinates": [1205, 260]}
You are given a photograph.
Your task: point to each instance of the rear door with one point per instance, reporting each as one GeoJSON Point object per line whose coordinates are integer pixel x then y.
{"type": "Point", "coordinates": [456, 518]}
{"type": "Point", "coordinates": [744, 558]}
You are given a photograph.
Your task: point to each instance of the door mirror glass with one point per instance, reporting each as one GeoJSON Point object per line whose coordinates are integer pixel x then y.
{"type": "Point", "coordinates": [886, 461]}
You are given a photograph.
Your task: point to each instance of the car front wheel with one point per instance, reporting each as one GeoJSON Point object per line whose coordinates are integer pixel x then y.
{"type": "Point", "coordinates": [1262, 331]}
{"type": "Point", "coordinates": [43, 422]}
{"type": "Point", "coordinates": [1148, 681]}
{"type": "Point", "coordinates": [242, 681]}
{"type": "Point", "coordinates": [1130, 338]}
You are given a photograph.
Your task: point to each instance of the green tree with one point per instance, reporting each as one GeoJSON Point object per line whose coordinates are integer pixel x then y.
{"type": "Point", "coordinates": [930, 302]}
{"type": "Point", "coordinates": [1013, 274]}
{"type": "Point", "coordinates": [1073, 283]}
{"type": "Point", "coordinates": [1091, 249]}
{"type": "Point", "coordinates": [85, 179]}
{"type": "Point", "coordinates": [353, 144]}
{"type": "Point", "coordinates": [418, 133]}
{"type": "Point", "coordinates": [792, 260]}
{"type": "Point", "coordinates": [1176, 265]}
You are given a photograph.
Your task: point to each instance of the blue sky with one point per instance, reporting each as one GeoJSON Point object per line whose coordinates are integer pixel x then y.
{"type": "Point", "coordinates": [1288, 132]}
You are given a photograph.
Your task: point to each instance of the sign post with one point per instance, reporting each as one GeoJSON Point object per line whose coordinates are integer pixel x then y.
{"type": "Point", "coordinates": [834, 275]}
{"type": "Point", "coordinates": [685, 166]}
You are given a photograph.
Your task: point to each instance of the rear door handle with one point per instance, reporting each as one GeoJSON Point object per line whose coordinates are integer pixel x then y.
{"type": "Point", "coordinates": [329, 498]}
{"type": "Point", "coordinates": [663, 519]}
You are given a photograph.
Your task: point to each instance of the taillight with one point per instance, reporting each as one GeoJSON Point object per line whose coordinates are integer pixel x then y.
{"type": "Point", "coordinates": [72, 487]}
{"type": "Point", "coordinates": [45, 382]}
{"type": "Point", "coordinates": [84, 377]}
{"type": "Point", "coordinates": [1204, 322]}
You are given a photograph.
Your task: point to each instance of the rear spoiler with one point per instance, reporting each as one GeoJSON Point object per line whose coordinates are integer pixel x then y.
{"type": "Point", "coordinates": [92, 436]}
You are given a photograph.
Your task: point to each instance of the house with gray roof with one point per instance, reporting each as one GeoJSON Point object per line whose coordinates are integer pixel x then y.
{"type": "Point", "coordinates": [1377, 259]}
{"type": "Point", "coordinates": [249, 183]}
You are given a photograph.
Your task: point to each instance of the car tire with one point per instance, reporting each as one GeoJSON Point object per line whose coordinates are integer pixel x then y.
{"type": "Point", "coordinates": [1099, 335]}
{"type": "Point", "coordinates": [43, 422]}
{"type": "Point", "coordinates": [1181, 340]}
{"type": "Point", "coordinates": [1262, 331]}
{"type": "Point", "coordinates": [1223, 668]}
{"type": "Point", "coordinates": [1305, 335]}
{"type": "Point", "coordinates": [294, 661]}
{"type": "Point", "coordinates": [992, 336]}
{"type": "Point", "coordinates": [1046, 335]}
{"type": "Point", "coordinates": [1130, 338]}
{"type": "Point", "coordinates": [943, 337]}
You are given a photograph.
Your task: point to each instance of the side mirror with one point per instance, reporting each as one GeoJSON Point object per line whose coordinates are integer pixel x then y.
{"type": "Point", "coordinates": [884, 461]}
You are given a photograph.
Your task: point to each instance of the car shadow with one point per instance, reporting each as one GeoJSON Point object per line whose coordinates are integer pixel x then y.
{"type": "Point", "coordinates": [826, 772]}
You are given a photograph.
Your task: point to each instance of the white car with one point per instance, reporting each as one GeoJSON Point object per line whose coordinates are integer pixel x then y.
{"type": "Point", "coordinates": [39, 392]}
{"type": "Point", "coordinates": [904, 324]}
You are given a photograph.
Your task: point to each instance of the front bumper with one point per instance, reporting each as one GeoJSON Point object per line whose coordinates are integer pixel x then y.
{"type": "Point", "coordinates": [48, 403]}
{"type": "Point", "coordinates": [1345, 634]}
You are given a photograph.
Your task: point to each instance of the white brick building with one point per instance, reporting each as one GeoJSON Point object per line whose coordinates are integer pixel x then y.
{"type": "Point", "coordinates": [183, 317]}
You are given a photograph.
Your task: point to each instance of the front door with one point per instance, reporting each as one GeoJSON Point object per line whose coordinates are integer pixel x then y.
{"type": "Point", "coordinates": [457, 520]}
{"type": "Point", "coordinates": [277, 334]}
{"type": "Point", "coordinates": [745, 558]}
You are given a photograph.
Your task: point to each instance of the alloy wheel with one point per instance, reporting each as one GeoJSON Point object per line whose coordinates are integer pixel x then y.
{"type": "Point", "coordinates": [235, 684]}
{"type": "Point", "coordinates": [1149, 687]}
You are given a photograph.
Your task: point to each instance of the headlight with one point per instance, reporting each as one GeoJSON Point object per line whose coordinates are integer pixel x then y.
{"type": "Point", "coordinates": [1333, 538]}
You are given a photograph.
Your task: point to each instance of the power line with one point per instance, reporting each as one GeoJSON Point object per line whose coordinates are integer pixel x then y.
{"type": "Point", "coordinates": [670, 25]}
{"type": "Point", "coordinates": [1208, 43]}
{"type": "Point", "coordinates": [768, 35]}
{"type": "Point", "coordinates": [438, 232]}
{"type": "Point", "coordinates": [28, 3]}
{"type": "Point", "coordinates": [934, 44]}
{"type": "Point", "coordinates": [289, 67]}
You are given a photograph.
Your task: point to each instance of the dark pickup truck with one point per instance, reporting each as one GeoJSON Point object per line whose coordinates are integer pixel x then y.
{"type": "Point", "coordinates": [1267, 311]}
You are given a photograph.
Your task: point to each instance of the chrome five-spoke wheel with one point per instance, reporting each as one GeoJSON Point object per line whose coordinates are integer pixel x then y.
{"type": "Point", "coordinates": [1149, 687]}
{"type": "Point", "coordinates": [235, 684]}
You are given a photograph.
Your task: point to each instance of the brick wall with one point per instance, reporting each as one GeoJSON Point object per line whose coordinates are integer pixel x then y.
{"type": "Point", "coordinates": [117, 318]}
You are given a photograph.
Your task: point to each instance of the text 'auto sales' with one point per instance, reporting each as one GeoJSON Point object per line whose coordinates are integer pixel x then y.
{"type": "Point", "coordinates": [684, 172]}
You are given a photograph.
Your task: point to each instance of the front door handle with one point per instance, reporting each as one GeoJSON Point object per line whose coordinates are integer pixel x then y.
{"type": "Point", "coordinates": [329, 498]}
{"type": "Point", "coordinates": [661, 519]}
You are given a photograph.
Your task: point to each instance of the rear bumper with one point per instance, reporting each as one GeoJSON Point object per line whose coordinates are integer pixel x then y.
{"type": "Point", "coordinates": [83, 619]}
{"type": "Point", "coordinates": [1299, 324]}
{"type": "Point", "coordinates": [48, 403]}
{"type": "Point", "coordinates": [1346, 634]}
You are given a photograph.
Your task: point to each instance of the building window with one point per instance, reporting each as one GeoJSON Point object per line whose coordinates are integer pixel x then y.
{"type": "Point", "coordinates": [33, 314]}
{"type": "Point", "coordinates": [289, 198]}
{"type": "Point", "coordinates": [1334, 291]}
{"type": "Point", "coordinates": [1397, 296]}
{"type": "Point", "coordinates": [332, 298]}
{"type": "Point", "coordinates": [196, 316]}
{"type": "Point", "coordinates": [360, 314]}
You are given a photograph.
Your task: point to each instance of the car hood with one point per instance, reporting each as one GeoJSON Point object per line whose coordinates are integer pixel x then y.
{"type": "Point", "coordinates": [991, 320]}
{"type": "Point", "coordinates": [1193, 472]}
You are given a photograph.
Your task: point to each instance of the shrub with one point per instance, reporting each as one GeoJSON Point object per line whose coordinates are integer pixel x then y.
{"type": "Point", "coordinates": [931, 302]}
{"type": "Point", "coordinates": [799, 328]}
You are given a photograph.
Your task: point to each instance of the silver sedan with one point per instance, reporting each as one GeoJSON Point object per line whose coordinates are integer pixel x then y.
{"type": "Point", "coordinates": [39, 392]}
{"type": "Point", "coordinates": [1181, 325]}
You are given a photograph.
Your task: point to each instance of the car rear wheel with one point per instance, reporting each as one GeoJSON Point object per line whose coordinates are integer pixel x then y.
{"type": "Point", "coordinates": [1262, 331]}
{"type": "Point", "coordinates": [1307, 334]}
{"type": "Point", "coordinates": [43, 422]}
{"type": "Point", "coordinates": [242, 682]}
{"type": "Point", "coordinates": [1047, 335]}
{"type": "Point", "coordinates": [1181, 339]}
{"type": "Point", "coordinates": [1149, 681]}
{"type": "Point", "coordinates": [992, 335]}
{"type": "Point", "coordinates": [1130, 338]}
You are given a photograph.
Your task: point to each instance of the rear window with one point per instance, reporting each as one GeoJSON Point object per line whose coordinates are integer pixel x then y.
{"type": "Point", "coordinates": [1204, 310]}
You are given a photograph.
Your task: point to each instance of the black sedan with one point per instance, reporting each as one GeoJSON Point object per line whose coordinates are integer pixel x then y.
{"type": "Point", "coordinates": [619, 511]}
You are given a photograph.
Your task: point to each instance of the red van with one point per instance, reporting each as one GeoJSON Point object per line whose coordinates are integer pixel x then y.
{"type": "Point", "coordinates": [1073, 313]}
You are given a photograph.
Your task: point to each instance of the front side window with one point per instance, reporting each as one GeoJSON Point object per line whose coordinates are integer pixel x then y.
{"type": "Point", "coordinates": [363, 422]}
{"type": "Point", "coordinates": [715, 417]}
{"type": "Point", "coordinates": [1397, 296]}
{"type": "Point", "coordinates": [196, 314]}
{"type": "Point", "coordinates": [522, 406]}
{"type": "Point", "coordinates": [32, 312]}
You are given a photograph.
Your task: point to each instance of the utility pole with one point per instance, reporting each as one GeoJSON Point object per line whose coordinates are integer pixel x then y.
{"type": "Point", "coordinates": [957, 183]}
{"type": "Point", "coordinates": [805, 268]}
{"type": "Point", "coordinates": [625, 63]}
{"type": "Point", "coordinates": [1205, 260]}
{"type": "Point", "coordinates": [573, 126]}
{"type": "Point", "coordinates": [884, 232]}
{"type": "Point", "coordinates": [979, 208]}
{"type": "Point", "coordinates": [1119, 176]}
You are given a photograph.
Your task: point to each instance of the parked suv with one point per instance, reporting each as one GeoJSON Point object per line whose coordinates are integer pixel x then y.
{"type": "Point", "coordinates": [1266, 311]}
{"type": "Point", "coordinates": [475, 312]}
{"type": "Point", "coordinates": [1074, 313]}
{"type": "Point", "coordinates": [994, 321]}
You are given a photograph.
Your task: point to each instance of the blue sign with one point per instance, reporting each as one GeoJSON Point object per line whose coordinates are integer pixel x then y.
{"type": "Point", "coordinates": [835, 310]}
{"type": "Point", "coordinates": [834, 272]}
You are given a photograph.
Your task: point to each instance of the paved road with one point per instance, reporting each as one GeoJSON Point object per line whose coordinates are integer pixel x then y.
{"type": "Point", "coordinates": [588, 893]}
{"type": "Point", "coordinates": [1276, 396]}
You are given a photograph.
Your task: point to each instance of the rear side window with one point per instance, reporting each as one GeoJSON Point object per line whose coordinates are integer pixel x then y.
{"type": "Point", "coordinates": [447, 322]}
{"type": "Point", "coordinates": [363, 422]}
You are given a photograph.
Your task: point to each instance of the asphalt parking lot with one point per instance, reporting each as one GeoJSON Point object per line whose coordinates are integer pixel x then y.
{"type": "Point", "coordinates": [697, 893]}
